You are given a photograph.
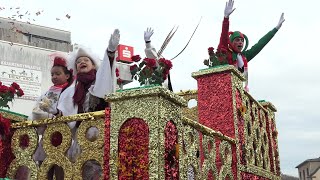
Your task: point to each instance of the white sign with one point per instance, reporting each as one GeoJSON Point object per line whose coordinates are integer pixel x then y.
{"type": "Point", "coordinates": [28, 77]}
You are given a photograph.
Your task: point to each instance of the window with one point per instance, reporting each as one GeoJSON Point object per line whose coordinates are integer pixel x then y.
{"type": "Point", "coordinates": [300, 175]}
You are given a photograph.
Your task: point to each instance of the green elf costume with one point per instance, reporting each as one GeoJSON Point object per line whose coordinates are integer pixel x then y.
{"type": "Point", "coordinates": [240, 58]}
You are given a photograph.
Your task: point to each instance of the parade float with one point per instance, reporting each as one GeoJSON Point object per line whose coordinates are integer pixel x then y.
{"type": "Point", "coordinates": [151, 133]}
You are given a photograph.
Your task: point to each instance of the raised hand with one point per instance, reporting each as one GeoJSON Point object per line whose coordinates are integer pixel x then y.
{"type": "Point", "coordinates": [228, 9]}
{"type": "Point", "coordinates": [147, 34]}
{"type": "Point", "coordinates": [281, 20]}
{"type": "Point", "coordinates": [114, 40]}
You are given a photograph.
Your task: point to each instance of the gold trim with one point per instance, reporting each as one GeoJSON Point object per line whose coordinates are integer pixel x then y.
{"type": "Point", "coordinates": [219, 69]}
{"type": "Point", "coordinates": [77, 117]}
{"type": "Point", "coordinates": [259, 171]}
{"type": "Point", "coordinates": [147, 92]}
{"type": "Point", "coordinates": [12, 116]}
{"type": "Point", "coordinates": [269, 105]}
{"type": "Point", "coordinates": [206, 130]}
{"type": "Point", "coordinates": [23, 156]}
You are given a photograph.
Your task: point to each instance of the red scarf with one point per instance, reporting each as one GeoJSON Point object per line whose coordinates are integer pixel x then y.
{"type": "Point", "coordinates": [84, 81]}
{"type": "Point", "coordinates": [62, 85]}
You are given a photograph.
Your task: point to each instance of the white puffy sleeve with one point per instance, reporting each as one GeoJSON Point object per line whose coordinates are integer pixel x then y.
{"type": "Point", "coordinates": [150, 51]}
{"type": "Point", "coordinates": [104, 79]}
{"type": "Point", "coordinates": [65, 104]}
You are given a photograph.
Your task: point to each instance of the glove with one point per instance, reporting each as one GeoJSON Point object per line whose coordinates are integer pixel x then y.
{"type": "Point", "coordinates": [114, 41]}
{"type": "Point", "coordinates": [228, 9]}
{"type": "Point", "coordinates": [46, 106]}
{"type": "Point", "coordinates": [281, 20]}
{"type": "Point", "coordinates": [147, 34]}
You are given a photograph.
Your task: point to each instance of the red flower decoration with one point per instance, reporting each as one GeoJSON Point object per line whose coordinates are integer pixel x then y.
{"type": "Point", "coordinates": [133, 67]}
{"type": "Point", "coordinates": [136, 58]}
{"type": "Point", "coordinates": [150, 62]}
{"type": "Point", "coordinates": [133, 150]}
{"type": "Point", "coordinates": [167, 64]}
{"type": "Point", "coordinates": [119, 81]}
{"type": "Point", "coordinates": [15, 85]}
{"type": "Point", "coordinates": [210, 51]}
{"type": "Point", "coordinates": [171, 155]}
{"type": "Point", "coordinates": [117, 72]}
{"type": "Point", "coordinates": [151, 71]}
{"type": "Point", "coordinates": [216, 59]}
{"type": "Point", "coordinates": [4, 126]}
{"type": "Point", "coordinates": [7, 93]}
{"type": "Point", "coordinates": [20, 92]}
{"type": "Point", "coordinates": [59, 61]}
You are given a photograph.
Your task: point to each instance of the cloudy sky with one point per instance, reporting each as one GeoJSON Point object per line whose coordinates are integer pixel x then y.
{"type": "Point", "coordinates": [286, 71]}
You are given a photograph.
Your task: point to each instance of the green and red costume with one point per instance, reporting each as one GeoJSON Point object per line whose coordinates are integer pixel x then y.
{"type": "Point", "coordinates": [234, 55]}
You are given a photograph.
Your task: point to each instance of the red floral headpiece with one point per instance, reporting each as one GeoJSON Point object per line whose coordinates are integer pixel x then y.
{"type": "Point", "coordinates": [59, 61]}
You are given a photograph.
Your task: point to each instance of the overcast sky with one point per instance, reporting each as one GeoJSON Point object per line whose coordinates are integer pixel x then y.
{"type": "Point", "coordinates": [285, 72]}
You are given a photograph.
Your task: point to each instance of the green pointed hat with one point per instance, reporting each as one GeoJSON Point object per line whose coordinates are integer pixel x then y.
{"type": "Point", "coordinates": [233, 35]}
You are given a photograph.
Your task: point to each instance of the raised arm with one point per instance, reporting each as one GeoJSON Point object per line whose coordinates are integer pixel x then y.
{"type": "Point", "coordinates": [113, 44]}
{"type": "Point", "coordinates": [104, 83]}
{"type": "Point", "coordinates": [224, 38]}
{"type": "Point", "coordinates": [150, 50]}
{"type": "Point", "coordinates": [255, 49]}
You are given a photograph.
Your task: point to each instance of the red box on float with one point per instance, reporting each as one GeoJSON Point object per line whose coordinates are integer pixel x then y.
{"type": "Point", "coordinates": [125, 53]}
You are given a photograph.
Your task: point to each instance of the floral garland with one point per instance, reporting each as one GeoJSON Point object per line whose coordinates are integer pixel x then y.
{"type": "Point", "coordinates": [133, 150]}
{"type": "Point", "coordinates": [6, 155]}
{"type": "Point", "coordinates": [7, 94]}
{"type": "Point", "coordinates": [150, 71]}
{"type": "Point", "coordinates": [106, 157]}
{"type": "Point", "coordinates": [216, 58]}
{"type": "Point", "coordinates": [4, 127]}
{"type": "Point", "coordinates": [171, 155]}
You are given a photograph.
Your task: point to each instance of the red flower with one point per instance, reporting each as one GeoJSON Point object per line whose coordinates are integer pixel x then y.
{"type": "Point", "coordinates": [165, 76]}
{"type": "Point", "coordinates": [4, 126]}
{"type": "Point", "coordinates": [165, 73]}
{"type": "Point", "coordinates": [167, 64]}
{"type": "Point", "coordinates": [133, 150]}
{"type": "Point", "coordinates": [3, 89]}
{"type": "Point", "coordinates": [20, 92]}
{"type": "Point", "coordinates": [210, 51]}
{"type": "Point", "coordinates": [150, 62]}
{"type": "Point", "coordinates": [15, 85]}
{"type": "Point", "coordinates": [12, 90]}
{"type": "Point", "coordinates": [147, 71]}
{"type": "Point", "coordinates": [133, 67]}
{"type": "Point", "coordinates": [136, 58]}
{"type": "Point", "coordinates": [119, 81]}
{"type": "Point", "coordinates": [117, 72]}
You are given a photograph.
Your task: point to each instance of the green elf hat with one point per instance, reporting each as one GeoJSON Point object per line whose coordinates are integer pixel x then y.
{"type": "Point", "coordinates": [233, 35]}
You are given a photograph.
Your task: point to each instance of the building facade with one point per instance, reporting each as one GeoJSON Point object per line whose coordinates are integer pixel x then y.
{"type": "Point", "coordinates": [24, 58]}
{"type": "Point", "coordinates": [309, 169]}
